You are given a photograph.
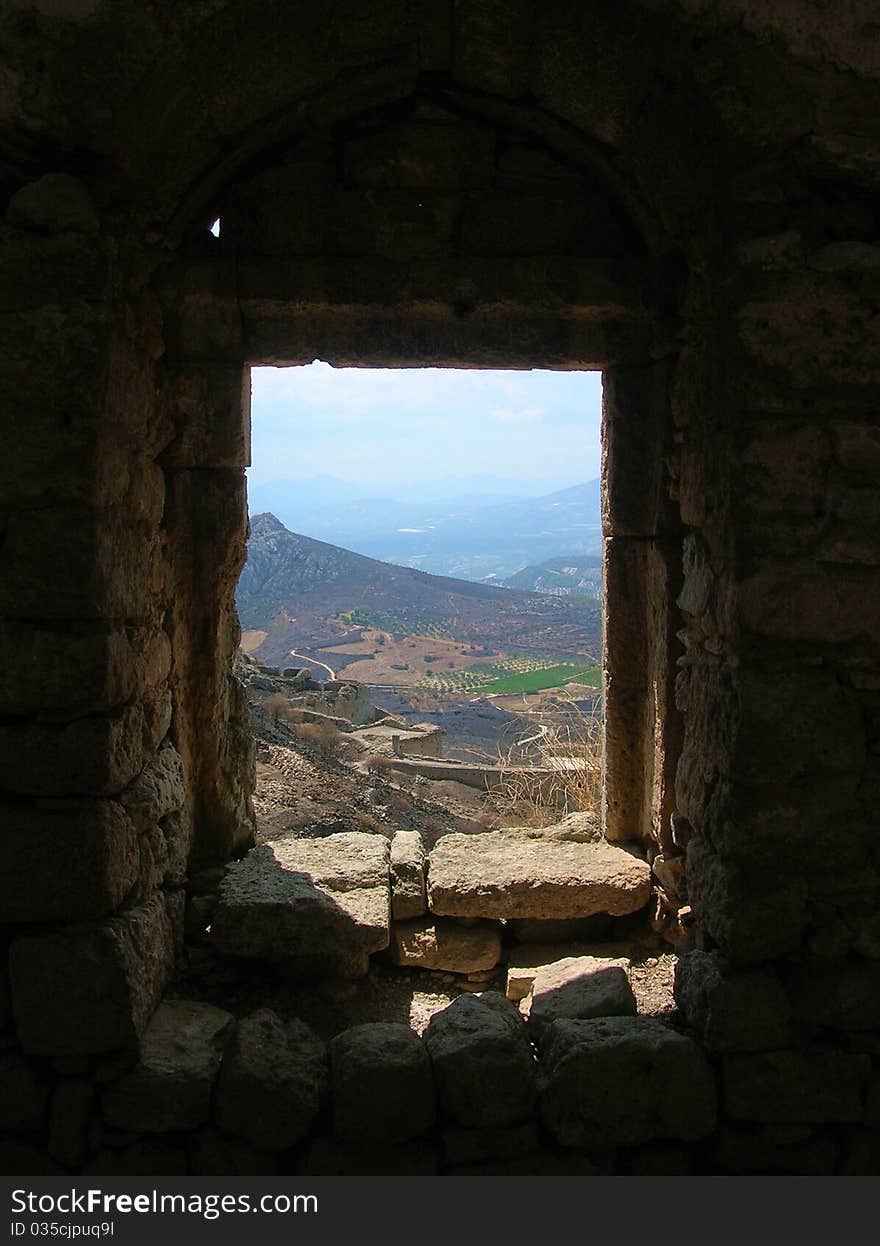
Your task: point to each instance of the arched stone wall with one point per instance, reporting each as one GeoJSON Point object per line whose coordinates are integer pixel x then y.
{"type": "Point", "coordinates": [743, 343]}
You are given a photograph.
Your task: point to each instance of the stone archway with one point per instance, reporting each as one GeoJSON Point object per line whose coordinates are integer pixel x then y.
{"type": "Point", "coordinates": [423, 233]}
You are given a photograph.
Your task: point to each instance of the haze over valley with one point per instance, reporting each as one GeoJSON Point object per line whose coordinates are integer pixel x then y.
{"type": "Point", "coordinates": [465, 530]}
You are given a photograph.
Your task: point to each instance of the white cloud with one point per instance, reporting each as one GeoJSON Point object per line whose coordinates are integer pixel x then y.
{"type": "Point", "coordinates": [425, 423]}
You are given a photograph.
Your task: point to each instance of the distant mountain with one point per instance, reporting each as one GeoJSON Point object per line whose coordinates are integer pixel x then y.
{"type": "Point", "coordinates": [306, 594]}
{"type": "Point", "coordinates": [292, 500]}
{"type": "Point", "coordinates": [581, 574]}
{"type": "Point", "coordinates": [459, 537]}
{"type": "Point", "coordinates": [300, 496]}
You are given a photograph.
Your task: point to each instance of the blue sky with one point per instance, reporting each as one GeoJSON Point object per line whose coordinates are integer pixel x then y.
{"type": "Point", "coordinates": [425, 423]}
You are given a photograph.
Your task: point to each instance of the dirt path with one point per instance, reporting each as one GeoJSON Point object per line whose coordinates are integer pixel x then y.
{"type": "Point", "coordinates": [314, 662]}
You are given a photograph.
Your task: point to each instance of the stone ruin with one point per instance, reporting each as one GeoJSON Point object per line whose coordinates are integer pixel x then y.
{"type": "Point", "coordinates": [683, 195]}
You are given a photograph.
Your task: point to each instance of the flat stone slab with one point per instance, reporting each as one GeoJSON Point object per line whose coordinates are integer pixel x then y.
{"type": "Point", "coordinates": [407, 875]}
{"type": "Point", "coordinates": [508, 873]}
{"type": "Point", "coordinates": [578, 988]}
{"type": "Point", "coordinates": [170, 1088]}
{"type": "Point", "coordinates": [443, 944]}
{"type": "Point", "coordinates": [321, 905]}
{"type": "Point", "coordinates": [528, 960]}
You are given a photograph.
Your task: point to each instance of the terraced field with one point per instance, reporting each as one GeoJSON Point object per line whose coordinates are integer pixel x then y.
{"type": "Point", "coordinates": [546, 677]}
{"type": "Point", "coordinates": [515, 674]}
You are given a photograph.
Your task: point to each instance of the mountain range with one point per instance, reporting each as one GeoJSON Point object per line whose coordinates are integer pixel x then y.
{"type": "Point", "coordinates": [306, 594]}
{"type": "Point", "coordinates": [473, 536]}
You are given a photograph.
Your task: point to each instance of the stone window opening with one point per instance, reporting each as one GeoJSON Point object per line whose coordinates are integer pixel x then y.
{"type": "Point", "coordinates": [362, 253]}
{"type": "Point", "coordinates": [435, 928]}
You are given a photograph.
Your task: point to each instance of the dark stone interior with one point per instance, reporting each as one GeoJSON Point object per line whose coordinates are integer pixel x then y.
{"type": "Point", "coordinates": [681, 193]}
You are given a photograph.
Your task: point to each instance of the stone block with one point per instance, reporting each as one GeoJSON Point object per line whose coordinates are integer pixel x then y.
{"type": "Point", "coordinates": [55, 203]}
{"type": "Point", "coordinates": [842, 995]}
{"type": "Point", "coordinates": [658, 1160]}
{"type": "Point", "coordinates": [775, 1150]}
{"type": "Point", "coordinates": [272, 1082]}
{"type": "Point", "coordinates": [321, 906]}
{"type": "Point", "coordinates": [92, 756]}
{"type": "Point", "coordinates": [624, 1081]}
{"type": "Point", "coordinates": [491, 41]}
{"type": "Point", "coordinates": [23, 1096]}
{"type": "Point", "coordinates": [419, 155]}
{"type": "Point", "coordinates": [51, 270]}
{"type": "Point", "coordinates": [381, 1084]}
{"type": "Point", "coordinates": [507, 223]}
{"type": "Point", "coordinates": [443, 944]}
{"type": "Point", "coordinates": [70, 1120]}
{"type": "Point", "coordinates": [408, 897]}
{"type": "Point", "coordinates": [148, 1157]}
{"type": "Point", "coordinates": [69, 865]}
{"type": "Point", "coordinates": [90, 988]}
{"type": "Point", "coordinates": [325, 1157]}
{"type": "Point", "coordinates": [782, 470]}
{"type": "Point", "coordinates": [801, 1087]}
{"type": "Point", "coordinates": [510, 873]}
{"type": "Point", "coordinates": [733, 1010]}
{"type": "Point", "coordinates": [635, 492]}
{"type": "Point", "coordinates": [158, 790]}
{"type": "Point", "coordinates": [780, 708]}
{"type": "Point", "coordinates": [579, 987]}
{"type": "Point", "coordinates": [79, 667]}
{"type": "Point", "coordinates": [482, 1060]}
{"type": "Point", "coordinates": [212, 419]}
{"type": "Point", "coordinates": [548, 1161]}
{"type": "Point", "coordinates": [158, 709]}
{"type": "Point", "coordinates": [474, 1146]}
{"type": "Point", "coordinates": [213, 1154]}
{"type": "Point", "coordinates": [170, 1087]}
{"type": "Point", "coordinates": [79, 563]}
{"type": "Point", "coordinates": [861, 1154]}
{"type": "Point", "coordinates": [177, 832]}
{"type": "Point", "coordinates": [807, 602]}
{"type": "Point", "coordinates": [26, 1159]}
{"type": "Point", "coordinates": [5, 991]}
{"type": "Point", "coordinates": [753, 915]}
{"type": "Point", "coordinates": [857, 447]}
{"type": "Point", "coordinates": [526, 961]}
{"type": "Point", "coordinates": [528, 930]}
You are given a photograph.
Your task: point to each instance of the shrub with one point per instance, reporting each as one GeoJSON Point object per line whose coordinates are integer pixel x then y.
{"type": "Point", "coordinates": [278, 706]}
{"type": "Point", "coordinates": [323, 736]}
{"type": "Point", "coordinates": [380, 764]}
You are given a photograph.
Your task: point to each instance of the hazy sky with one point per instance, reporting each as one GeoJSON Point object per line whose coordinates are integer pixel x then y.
{"type": "Point", "coordinates": [424, 422]}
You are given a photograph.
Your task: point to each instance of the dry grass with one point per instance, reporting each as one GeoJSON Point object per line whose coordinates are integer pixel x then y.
{"type": "Point", "coordinates": [571, 753]}
{"type": "Point", "coordinates": [322, 736]}
{"type": "Point", "coordinates": [380, 764]}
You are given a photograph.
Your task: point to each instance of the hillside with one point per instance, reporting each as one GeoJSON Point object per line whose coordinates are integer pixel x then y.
{"type": "Point", "coordinates": [568, 574]}
{"type": "Point", "coordinates": [458, 537]}
{"type": "Point", "coordinates": [306, 595]}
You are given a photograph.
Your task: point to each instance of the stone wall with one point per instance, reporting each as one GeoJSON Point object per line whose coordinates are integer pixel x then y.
{"type": "Point", "coordinates": [683, 194]}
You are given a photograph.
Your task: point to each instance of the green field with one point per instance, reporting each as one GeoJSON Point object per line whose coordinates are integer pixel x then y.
{"type": "Point", "coordinates": [550, 677]}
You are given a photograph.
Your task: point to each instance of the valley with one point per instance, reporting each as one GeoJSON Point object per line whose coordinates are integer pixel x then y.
{"type": "Point", "coordinates": [484, 537]}
{"type": "Point", "coordinates": [390, 624]}
{"type": "Point", "coordinates": [490, 665]}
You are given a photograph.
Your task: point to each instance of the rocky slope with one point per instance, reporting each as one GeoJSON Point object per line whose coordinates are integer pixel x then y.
{"type": "Point", "coordinates": [460, 537]}
{"type": "Point", "coordinates": [296, 589]}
